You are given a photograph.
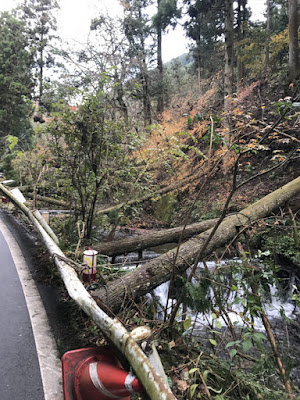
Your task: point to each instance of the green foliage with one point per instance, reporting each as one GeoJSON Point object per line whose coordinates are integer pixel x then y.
{"type": "Point", "coordinates": [190, 123]}
{"type": "Point", "coordinates": [204, 26]}
{"type": "Point", "coordinates": [218, 376]}
{"type": "Point", "coordinates": [247, 342]}
{"type": "Point", "coordinates": [296, 296]}
{"type": "Point", "coordinates": [219, 294]}
{"type": "Point", "coordinates": [198, 295]}
{"type": "Point", "coordinates": [31, 165]}
{"type": "Point", "coordinates": [13, 141]}
{"type": "Point", "coordinates": [91, 154]}
{"type": "Point", "coordinates": [15, 79]}
{"type": "Point", "coordinates": [137, 29]}
{"type": "Point", "coordinates": [203, 211]}
{"type": "Point", "coordinates": [282, 245]}
{"type": "Point", "coordinates": [217, 140]}
{"type": "Point", "coordinates": [40, 25]}
{"type": "Point", "coordinates": [167, 13]}
{"type": "Point", "coordinates": [252, 53]}
{"type": "Point", "coordinates": [278, 16]}
{"type": "Point", "coordinates": [165, 207]}
{"type": "Point", "coordinates": [59, 91]}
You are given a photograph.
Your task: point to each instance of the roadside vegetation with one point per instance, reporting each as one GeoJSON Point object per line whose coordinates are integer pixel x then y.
{"type": "Point", "coordinates": [133, 147]}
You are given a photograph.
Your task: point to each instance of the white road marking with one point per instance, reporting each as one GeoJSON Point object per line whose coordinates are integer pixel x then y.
{"type": "Point", "coordinates": [50, 364]}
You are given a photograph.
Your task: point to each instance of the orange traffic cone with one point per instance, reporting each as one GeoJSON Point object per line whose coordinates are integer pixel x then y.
{"type": "Point", "coordinates": [96, 374]}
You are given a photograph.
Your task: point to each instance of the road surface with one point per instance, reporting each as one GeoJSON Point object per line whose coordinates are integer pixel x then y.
{"type": "Point", "coordinates": [30, 369]}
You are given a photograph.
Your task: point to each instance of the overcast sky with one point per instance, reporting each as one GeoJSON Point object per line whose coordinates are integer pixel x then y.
{"type": "Point", "coordinates": [75, 15]}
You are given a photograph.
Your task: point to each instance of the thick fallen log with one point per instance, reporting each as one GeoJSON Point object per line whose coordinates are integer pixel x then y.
{"type": "Point", "coordinates": [155, 272]}
{"type": "Point", "coordinates": [138, 243]}
{"type": "Point", "coordinates": [48, 199]}
{"type": "Point", "coordinates": [153, 383]}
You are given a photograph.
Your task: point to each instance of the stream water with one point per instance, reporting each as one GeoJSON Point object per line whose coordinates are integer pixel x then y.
{"type": "Point", "coordinates": [281, 311]}
{"type": "Point", "coordinates": [279, 300]}
{"type": "Point", "coordinates": [277, 304]}
{"type": "Point", "coordinates": [279, 307]}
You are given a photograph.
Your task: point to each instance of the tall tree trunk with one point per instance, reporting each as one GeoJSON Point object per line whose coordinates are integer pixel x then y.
{"type": "Point", "coordinates": [199, 75]}
{"type": "Point", "coordinates": [41, 73]}
{"type": "Point", "coordinates": [120, 94]}
{"type": "Point", "coordinates": [293, 39]}
{"type": "Point", "coordinates": [153, 273]}
{"type": "Point", "coordinates": [90, 218]}
{"type": "Point", "coordinates": [146, 97]}
{"type": "Point", "coordinates": [160, 67]}
{"type": "Point", "coordinates": [199, 57]}
{"type": "Point", "coordinates": [228, 81]}
{"type": "Point", "coordinates": [241, 20]}
{"type": "Point", "coordinates": [238, 49]}
{"type": "Point", "coordinates": [267, 48]}
{"type": "Point", "coordinates": [228, 84]}
{"type": "Point", "coordinates": [145, 83]}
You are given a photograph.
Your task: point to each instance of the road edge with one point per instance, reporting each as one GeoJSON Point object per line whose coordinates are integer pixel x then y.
{"type": "Point", "coordinates": [49, 362]}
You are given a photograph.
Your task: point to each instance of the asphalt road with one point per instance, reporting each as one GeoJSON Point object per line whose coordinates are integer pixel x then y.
{"type": "Point", "coordinates": [20, 377]}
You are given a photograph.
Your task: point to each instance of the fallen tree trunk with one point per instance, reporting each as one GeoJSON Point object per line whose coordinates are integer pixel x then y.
{"type": "Point", "coordinates": [153, 383]}
{"type": "Point", "coordinates": [138, 243]}
{"type": "Point", "coordinates": [119, 206]}
{"type": "Point", "coordinates": [162, 191]}
{"type": "Point", "coordinates": [155, 272]}
{"type": "Point", "coordinates": [48, 200]}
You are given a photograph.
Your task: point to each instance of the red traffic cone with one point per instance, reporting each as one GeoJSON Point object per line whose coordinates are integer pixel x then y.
{"type": "Point", "coordinates": [96, 374]}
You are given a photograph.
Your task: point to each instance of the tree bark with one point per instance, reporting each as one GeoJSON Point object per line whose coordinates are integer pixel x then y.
{"type": "Point", "coordinates": [228, 83]}
{"type": "Point", "coordinates": [120, 95]}
{"type": "Point", "coordinates": [152, 239]}
{"type": "Point", "coordinates": [228, 79]}
{"type": "Point", "coordinates": [267, 49]}
{"type": "Point", "coordinates": [160, 67]}
{"type": "Point", "coordinates": [48, 200]}
{"type": "Point", "coordinates": [154, 273]}
{"type": "Point", "coordinates": [241, 19]}
{"type": "Point", "coordinates": [41, 75]}
{"type": "Point", "coordinates": [293, 39]}
{"type": "Point", "coordinates": [144, 76]}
